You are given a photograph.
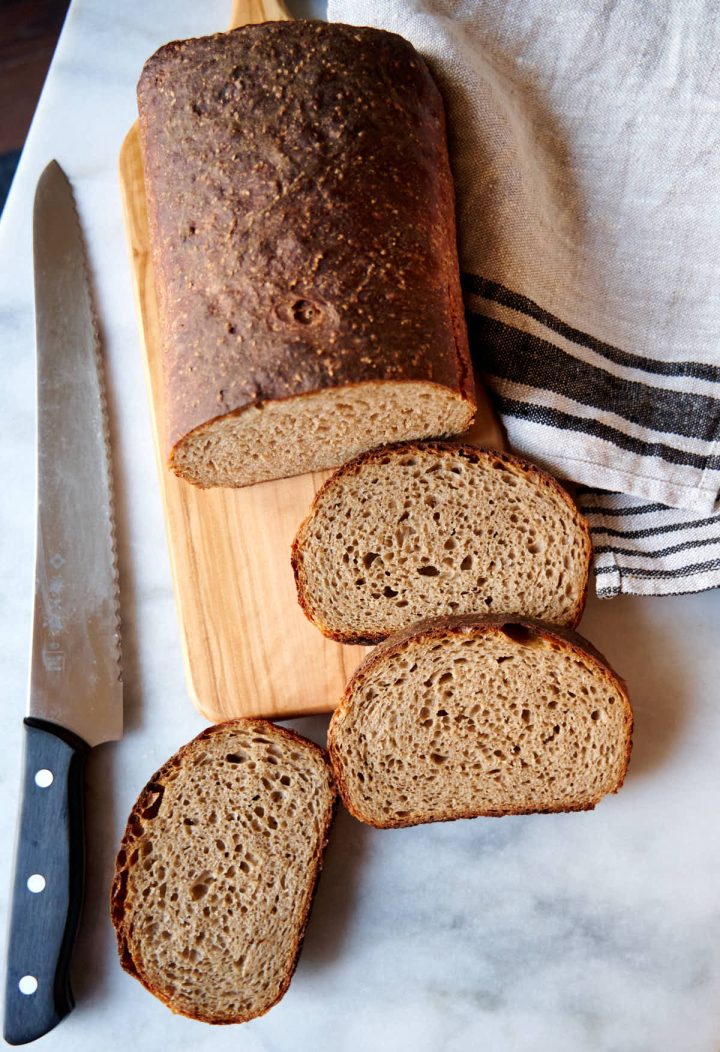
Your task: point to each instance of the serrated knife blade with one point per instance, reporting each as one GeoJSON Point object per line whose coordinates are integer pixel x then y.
{"type": "Point", "coordinates": [75, 694]}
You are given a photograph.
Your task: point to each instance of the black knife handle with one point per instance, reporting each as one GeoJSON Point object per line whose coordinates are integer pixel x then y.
{"type": "Point", "coordinates": [49, 882]}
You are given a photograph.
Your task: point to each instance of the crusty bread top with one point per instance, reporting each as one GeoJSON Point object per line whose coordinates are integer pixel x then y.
{"type": "Point", "coordinates": [460, 717]}
{"type": "Point", "coordinates": [217, 868]}
{"type": "Point", "coordinates": [421, 529]}
{"type": "Point", "coordinates": [301, 213]}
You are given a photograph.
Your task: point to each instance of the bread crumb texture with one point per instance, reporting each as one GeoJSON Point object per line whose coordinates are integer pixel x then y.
{"type": "Point", "coordinates": [458, 718]}
{"type": "Point", "coordinates": [302, 226]}
{"type": "Point", "coordinates": [432, 529]}
{"type": "Point", "coordinates": [216, 872]}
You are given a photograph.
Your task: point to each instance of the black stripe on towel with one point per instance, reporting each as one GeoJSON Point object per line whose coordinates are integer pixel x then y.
{"type": "Point", "coordinates": [642, 509]}
{"type": "Point", "coordinates": [659, 553]}
{"type": "Point", "coordinates": [492, 290]}
{"type": "Point", "coordinates": [684, 571]}
{"type": "Point", "coordinates": [539, 414]}
{"type": "Point", "coordinates": [521, 357]}
{"type": "Point", "coordinates": [652, 532]}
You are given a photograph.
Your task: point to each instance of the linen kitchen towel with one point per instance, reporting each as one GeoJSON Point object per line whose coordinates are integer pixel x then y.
{"type": "Point", "coordinates": [585, 137]}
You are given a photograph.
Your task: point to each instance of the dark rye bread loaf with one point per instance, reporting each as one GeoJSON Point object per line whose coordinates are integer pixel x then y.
{"type": "Point", "coordinates": [302, 227]}
{"type": "Point", "coordinates": [462, 717]}
{"type": "Point", "coordinates": [217, 869]}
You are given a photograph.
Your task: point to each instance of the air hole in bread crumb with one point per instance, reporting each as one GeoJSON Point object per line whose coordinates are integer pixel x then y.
{"type": "Point", "coordinates": [428, 571]}
{"type": "Point", "coordinates": [135, 825]}
{"type": "Point", "coordinates": [236, 757]}
{"type": "Point", "coordinates": [155, 794]}
{"type": "Point", "coordinates": [523, 635]}
{"type": "Point", "coordinates": [198, 891]}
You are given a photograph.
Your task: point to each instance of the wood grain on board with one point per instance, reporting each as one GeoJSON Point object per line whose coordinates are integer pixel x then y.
{"type": "Point", "coordinates": [249, 650]}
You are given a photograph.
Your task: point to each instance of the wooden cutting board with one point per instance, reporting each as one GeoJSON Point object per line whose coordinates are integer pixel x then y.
{"type": "Point", "coordinates": [249, 650]}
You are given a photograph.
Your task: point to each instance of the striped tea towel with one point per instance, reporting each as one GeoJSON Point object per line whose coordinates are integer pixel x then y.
{"type": "Point", "coordinates": [585, 139]}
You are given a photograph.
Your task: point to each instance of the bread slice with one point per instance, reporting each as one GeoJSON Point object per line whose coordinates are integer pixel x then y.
{"type": "Point", "coordinates": [434, 529]}
{"type": "Point", "coordinates": [217, 870]}
{"type": "Point", "coordinates": [460, 717]}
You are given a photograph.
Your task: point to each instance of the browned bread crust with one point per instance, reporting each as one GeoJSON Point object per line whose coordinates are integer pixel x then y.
{"type": "Point", "coordinates": [301, 213]}
{"type": "Point", "coordinates": [434, 631]}
{"type": "Point", "coordinates": [475, 455]}
{"type": "Point", "coordinates": [139, 823]}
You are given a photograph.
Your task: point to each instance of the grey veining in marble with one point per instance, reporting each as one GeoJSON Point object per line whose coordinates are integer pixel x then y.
{"type": "Point", "coordinates": [595, 932]}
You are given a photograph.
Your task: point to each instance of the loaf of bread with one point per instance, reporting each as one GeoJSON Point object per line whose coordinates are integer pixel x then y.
{"type": "Point", "coordinates": [462, 717]}
{"type": "Point", "coordinates": [424, 530]}
{"type": "Point", "coordinates": [217, 870]}
{"type": "Point", "coordinates": [301, 218]}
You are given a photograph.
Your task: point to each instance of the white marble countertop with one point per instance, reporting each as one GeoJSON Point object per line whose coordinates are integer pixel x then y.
{"type": "Point", "coordinates": [563, 933]}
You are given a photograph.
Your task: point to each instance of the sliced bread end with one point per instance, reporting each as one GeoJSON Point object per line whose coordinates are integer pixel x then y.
{"type": "Point", "coordinates": [217, 870]}
{"type": "Point", "coordinates": [315, 431]}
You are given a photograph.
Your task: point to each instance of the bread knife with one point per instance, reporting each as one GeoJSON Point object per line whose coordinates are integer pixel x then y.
{"type": "Point", "coordinates": [75, 689]}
